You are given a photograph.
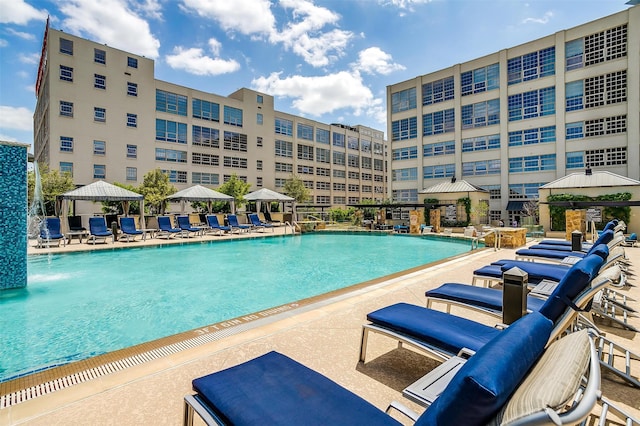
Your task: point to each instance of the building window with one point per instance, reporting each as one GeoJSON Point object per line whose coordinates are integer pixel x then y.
{"type": "Point", "coordinates": [366, 163]}
{"type": "Point", "coordinates": [481, 114]}
{"type": "Point", "coordinates": [99, 81]}
{"type": "Point", "coordinates": [437, 91]}
{"type": "Point", "coordinates": [406, 153]}
{"type": "Point", "coordinates": [322, 171]}
{"type": "Point", "coordinates": [575, 160]}
{"type": "Point", "coordinates": [378, 165]}
{"type": "Point", "coordinates": [366, 146]}
{"type": "Point", "coordinates": [66, 167]}
{"type": "Point", "coordinates": [354, 175]}
{"type": "Point", "coordinates": [494, 191]}
{"type": "Point", "coordinates": [99, 114]}
{"type": "Point", "coordinates": [235, 162]}
{"type": "Point", "coordinates": [438, 122]}
{"type": "Point", "coordinates": [305, 152]}
{"type": "Point", "coordinates": [204, 136]}
{"type": "Point", "coordinates": [205, 159]}
{"type": "Point", "coordinates": [323, 155]}
{"type": "Point", "coordinates": [132, 89]}
{"type": "Point", "coordinates": [305, 170]}
{"type": "Point", "coordinates": [532, 163]}
{"type": "Point", "coordinates": [283, 127]}
{"type": "Point", "coordinates": [132, 62]}
{"type": "Point", "coordinates": [439, 171]}
{"type": "Point", "coordinates": [284, 167]}
{"type": "Point", "coordinates": [66, 109]}
{"type": "Point", "coordinates": [132, 151]}
{"type": "Point", "coordinates": [532, 136]}
{"type": "Point", "coordinates": [339, 173]}
{"type": "Point", "coordinates": [605, 89]}
{"type": "Point", "coordinates": [132, 120]}
{"type": "Point", "coordinates": [66, 73]}
{"type": "Point", "coordinates": [531, 66]}
{"type": "Point", "coordinates": [171, 103]}
{"type": "Point", "coordinates": [259, 99]}
{"type": "Point", "coordinates": [171, 155]}
{"type": "Point", "coordinates": [323, 199]}
{"type": "Point", "coordinates": [305, 132]}
{"type": "Point", "coordinates": [353, 160]}
{"type": "Point", "coordinates": [480, 80]}
{"type": "Point", "coordinates": [404, 196]}
{"type": "Point", "coordinates": [176, 176]}
{"type": "Point", "coordinates": [481, 143]}
{"type": "Point", "coordinates": [205, 178]}
{"type": "Point", "coordinates": [339, 200]}
{"type": "Point", "coordinates": [284, 149]}
{"type": "Point", "coordinates": [259, 182]}
{"type": "Point", "coordinates": [480, 168]}
{"type": "Point", "coordinates": [523, 191]}
{"type": "Point", "coordinates": [339, 158]}
{"type": "Point", "coordinates": [170, 131]}
{"type": "Point", "coordinates": [99, 147]}
{"type": "Point", "coordinates": [258, 164]}
{"type": "Point", "coordinates": [99, 56]}
{"type": "Point", "coordinates": [339, 140]}
{"type": "Point", "coordinates": [596, 48]}
{"type": "Point", "coordinates": [205, 110]}
{"type": "Point", "coordinates": [323, 136]}
{"type": "Point", "coordinates": [132, 174]}
{"type": "Point", "coordinates": [403, 100]}
{"type": "Point", "coordinates": [99, 171]}
{"type": "Point", "coordinates": [259, 119]}
{"type": "Point", "coordinates": [399, 175]}
{"type": "Point", "coordinates": [339, 187]}
{"type": "Point", "coordinates": [404, 129]}
{"type": "Point", "coordinates": [259, 141]}
{"type": "Point", "coordinates": [353, 187]}
{"type": "Point", "coordinates": [353, 143]}
{"type": "Point", "coordinates": [66, 144]}
{"type": "Point", "coordinates": [235, 141]}
{"type": "Point", "coordinates": [597, 127]}
{"type": "Point", "coordinates": [232, 116]}
{"type": "Point", "coordinates": [536, 103]}
{"type": "Point", "coordinates": [606, 157]}
{"type": "Point", "coordinates": [66, 46]}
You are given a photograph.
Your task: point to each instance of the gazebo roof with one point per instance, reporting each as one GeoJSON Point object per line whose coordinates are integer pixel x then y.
{"type": "Point", "coordinates": [199, 193]}
{"type": "Point", "coordinates": [456, 186]}
{"type": "Point", "coordinates": [101, 191]}
{"type": "Point", "coordinates": [592, 180]}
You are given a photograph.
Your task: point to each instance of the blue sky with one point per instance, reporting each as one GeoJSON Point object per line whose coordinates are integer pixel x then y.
{"type": "Point", "coordinates": [329, 60]}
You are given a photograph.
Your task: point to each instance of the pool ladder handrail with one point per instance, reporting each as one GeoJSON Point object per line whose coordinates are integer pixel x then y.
{"type": "Point", "coordinates": [290, 226]}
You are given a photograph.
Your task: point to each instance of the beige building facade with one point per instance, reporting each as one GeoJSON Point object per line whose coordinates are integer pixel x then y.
{"type": "Point", "coordinates": [102, 115]}
{"type": "Point", "coordinates": [515, 120]}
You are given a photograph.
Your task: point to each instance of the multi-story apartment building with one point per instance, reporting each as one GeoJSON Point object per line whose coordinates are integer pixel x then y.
{"type": "Point", "coordinates": [519, 118]}
{"type": "Point", "coordinates": [101, 114]}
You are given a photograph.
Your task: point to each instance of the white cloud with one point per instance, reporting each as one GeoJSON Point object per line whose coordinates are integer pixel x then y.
{"type": "Point", "coordinates": [19, 12]}
{"type": "Point", "coordinates": [320, 95]}
{"type": "Point", "coordinates": [31, 58]}
{"type": "Point", "coordinates": [375, 60]}
{"type": "Point", "coordinates": [215, 46]}
{"type": "Point", "coordinates": [544, 20]}
{"type": "Point", "coordinates": [305, 37]}
{"type": "Point", "coordinates": [16, 118]}
{"type": "Point", "coordinates": [3, 42]}
{"type": "Point", "coordinates": [194, 61]}
{"type": "Point", "coordinates": [246, 16]}
{"type": "Point", "coordinates": [21, 34]}
{"type": "Point", "coordinates": [111, 22]}
{"type": "Point", "coordinates": [403, 4]}
{"type": "Point", "coordinates": [150, 8]}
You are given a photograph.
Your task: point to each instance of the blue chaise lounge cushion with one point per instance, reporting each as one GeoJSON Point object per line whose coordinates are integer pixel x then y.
{"type": "Point", "coordinates": [273, 389]}
{"type": "Point", "coordinates": [483, 297]}
{"type": "Point", "coordinates": [434, 328]}
{"type": "Point", "coordinates": [485, 382]}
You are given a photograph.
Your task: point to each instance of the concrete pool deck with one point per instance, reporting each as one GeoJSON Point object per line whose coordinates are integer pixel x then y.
{"type": "Point", "coordinates": [324, 335]}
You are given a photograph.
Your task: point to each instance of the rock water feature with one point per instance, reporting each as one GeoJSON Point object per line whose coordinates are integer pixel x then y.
{"type": "Point", "coordinates": [13, 215]}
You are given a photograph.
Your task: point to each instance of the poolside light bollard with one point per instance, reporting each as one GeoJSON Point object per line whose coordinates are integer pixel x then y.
{"type": "Point", "coordinates": [514, 294]}
{"type": "Point", "coordinates": [576, 240]}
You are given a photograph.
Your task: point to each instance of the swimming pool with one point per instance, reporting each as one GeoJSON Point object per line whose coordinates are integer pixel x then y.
{"type": "Point", "coordinates": [79, 305]}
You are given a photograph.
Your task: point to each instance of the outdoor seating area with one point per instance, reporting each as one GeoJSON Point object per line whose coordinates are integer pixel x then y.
{"type": "Point", "coordinates": [488, 373]}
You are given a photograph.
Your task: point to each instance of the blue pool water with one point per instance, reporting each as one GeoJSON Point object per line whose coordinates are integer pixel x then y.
{"type": "Point", "coordinates": [79, 305]}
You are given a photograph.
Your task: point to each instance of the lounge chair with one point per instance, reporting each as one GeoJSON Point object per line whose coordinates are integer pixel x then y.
{"type": "Point", "coordinates": [187, 229]}
{"type": "Point", "coordinates": [256, 223]}
{"type": "Point", "coordinates": [562, 256]}
{"type": "Point", "coordinates": [128, 228]}
{"type": "Point", "coordinates": [496, 384]}
{"type": "Point", "coordinates": [611, 225]}
{"type": "Point", "coordinates": [538, 271]}
{"type": "Point", "coordinates": [269, 219]}
{"type": "Point", "coordinates": [98, 230]}
{"type": "Point", "coordinates": [75, 223]}
{"type": "Point", "coordinates": [442, 335]}
{"type": "Point", "coordinates": [232, 219]}
{"type": "Point", "coordinates": [50, 233]}
{"type": "Point", "coordinates": [631, 240]}
{"type": "Point", "coordinates": [165, 229]}
{"type": "Point", "coordinates": [214, 225]}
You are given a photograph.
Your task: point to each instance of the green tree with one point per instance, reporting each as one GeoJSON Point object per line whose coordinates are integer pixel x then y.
{"type": "Point", "coordinates": [115, 207]}
{"type": "Point", "coordinates": [53, 183]}
{"type": "Point", "coordinates": [237, 188]}
{"type": "Point", "coordinates": [156, 188]}
{"type": "Point", "coordinates": [294, 187]}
